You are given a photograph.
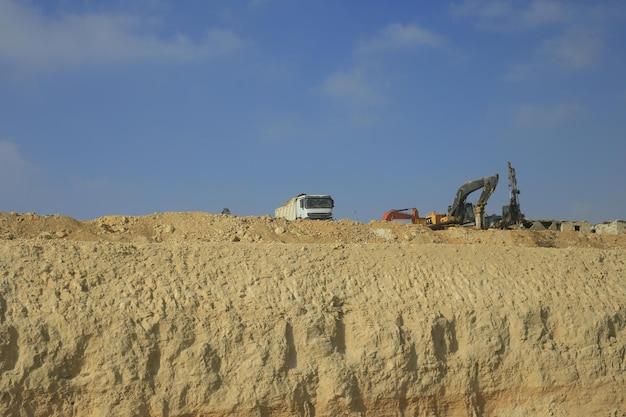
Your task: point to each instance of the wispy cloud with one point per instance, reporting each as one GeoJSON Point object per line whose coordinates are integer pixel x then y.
{"type": "Point", "coordinates": [398, 36]}
{"type": "Point", "coordinates": [572, 36]}
{"type": "Point", "coordinates": [352, 87]}
{"type": "Point", "coordinates": [365, 83]}
{"type": "Point", "coordinates": [576, 48]}
{"type": "Point", "coordinates": [12, 163]}
{"type": "Point", "coordinates": [573, 50]}
{"type": "Point", "coordinates": [507, 16]}
{"type": "Point", "coordinates": [483, 12]}
{"type": "Point", "coordinates": [33, 42]}
{"type": "Point", "coordinates": [529, 116]}
{"type": "Point", "coordinates": [545, 12]}
{"type": "Point", "coordinates": [17, 174]}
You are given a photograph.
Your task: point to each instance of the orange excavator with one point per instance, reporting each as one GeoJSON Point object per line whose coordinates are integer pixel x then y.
{"type": "Point", "coordinates": [460, 212]}
{"type": "Point", "coordinates": [400, 214]}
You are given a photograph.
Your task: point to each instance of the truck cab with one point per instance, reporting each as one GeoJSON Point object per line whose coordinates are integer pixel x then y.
{"type": "Point", "coordinates": [316, 207]}
{"type": "Point", "coordinates": [307, 206]}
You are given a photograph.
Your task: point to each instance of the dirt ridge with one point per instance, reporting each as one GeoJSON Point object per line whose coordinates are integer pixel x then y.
{"type": "Point", "coordinates": [194, 314]}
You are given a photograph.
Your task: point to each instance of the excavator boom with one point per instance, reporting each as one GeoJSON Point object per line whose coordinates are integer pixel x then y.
{"type": "Point", "coordinates": [488, 184]}
{"type": "Point", "coordinates": [461, 212]}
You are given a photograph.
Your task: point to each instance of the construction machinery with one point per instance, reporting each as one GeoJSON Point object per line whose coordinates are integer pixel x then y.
{"type": "Point", "coordinates": [511, 213]}
{"type": "Point", "coordinates": [307, 206]}
{"type": "Point", "coordinates": [460, 212]}
{"type": "Point", "coordinates": [400, 214]}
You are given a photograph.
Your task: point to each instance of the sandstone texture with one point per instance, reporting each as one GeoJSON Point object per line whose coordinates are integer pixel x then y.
{"type": "Point", "coordinates": [196, 314]}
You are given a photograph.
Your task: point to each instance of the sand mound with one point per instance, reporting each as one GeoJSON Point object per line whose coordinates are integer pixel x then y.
{"type": "Point", "coordinates": [194, 314]}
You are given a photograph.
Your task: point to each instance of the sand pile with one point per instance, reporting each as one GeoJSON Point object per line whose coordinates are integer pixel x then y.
{"type": "Point", "coordinates": [194, 314]}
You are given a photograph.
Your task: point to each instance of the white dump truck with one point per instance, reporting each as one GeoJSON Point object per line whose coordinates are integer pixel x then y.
{"type": "Point", "coordinates": [307, 206]}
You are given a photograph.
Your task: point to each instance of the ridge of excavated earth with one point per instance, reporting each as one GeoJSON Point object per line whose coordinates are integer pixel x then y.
{"type": "Point", "coordinates": [203, 315]}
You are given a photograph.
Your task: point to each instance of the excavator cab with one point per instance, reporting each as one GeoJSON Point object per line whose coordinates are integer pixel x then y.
{"type": "Point", "coordinates": [469, 216]}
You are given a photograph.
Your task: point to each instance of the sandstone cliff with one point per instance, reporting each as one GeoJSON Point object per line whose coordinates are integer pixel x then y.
{"type": "Point", "coordinates": [192, 314]}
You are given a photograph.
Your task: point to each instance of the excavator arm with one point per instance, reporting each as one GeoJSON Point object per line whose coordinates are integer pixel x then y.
{"type": "Point", "coordinates": [457, 209]}
{"type": "Point", "coordinates": [401, 214]}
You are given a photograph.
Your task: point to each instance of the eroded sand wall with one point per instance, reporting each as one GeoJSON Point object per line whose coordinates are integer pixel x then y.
{"type": "Point", "coordinates": [250, 329]}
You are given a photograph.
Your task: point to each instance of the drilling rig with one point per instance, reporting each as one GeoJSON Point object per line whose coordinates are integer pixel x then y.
{"type": "Point", "coordinates": [511, 213]}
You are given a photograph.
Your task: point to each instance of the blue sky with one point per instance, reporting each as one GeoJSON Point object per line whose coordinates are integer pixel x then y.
{"type": "Point", "coordinates": [141, 106]}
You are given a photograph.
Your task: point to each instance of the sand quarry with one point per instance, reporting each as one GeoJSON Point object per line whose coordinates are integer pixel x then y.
{"type": "Point", "coordinates": [197, 314]}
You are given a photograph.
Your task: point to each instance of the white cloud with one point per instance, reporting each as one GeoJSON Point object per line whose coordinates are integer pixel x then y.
{"type": "Point", "coordinates": [351, 87]}
{"type": "Point", "coordinates": [358, 87]}
{"type": "Point", "coordinates": [12, 164]}
{"type": "Point", "coordinates": [33, 42]}
{"type": "Point", "coordinates": [574, 33]}
{"type": "Point", "coordinates": [398, 36]}
{"type": "Point", "coordinates": [507, 16]}
{"type": "Point", "coordinates": [520, 72]}
{"type": "Point", "coordinates": [574, 49]}
{"type": "Point", "coordinates": [528, 116]}
{"type": "Point", "coordinates": [17, 174]}
{"type": "Point", "coordinates": [483, 10]}
{"type": "Point", "coordinates": [542, 12]}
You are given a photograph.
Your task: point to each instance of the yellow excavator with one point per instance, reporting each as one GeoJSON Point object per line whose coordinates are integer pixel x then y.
{"type": "Point", "coordinates": [459, 213]}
